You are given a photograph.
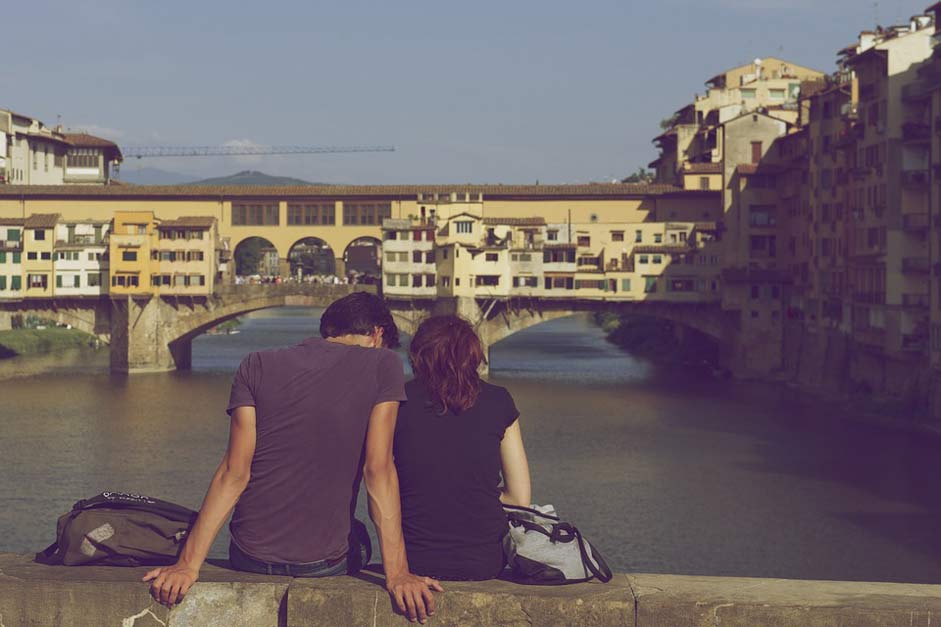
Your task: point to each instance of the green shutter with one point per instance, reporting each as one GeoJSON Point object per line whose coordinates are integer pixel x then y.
{"type": "Point", "coordinates": [77, 280]}
{"type": "Point", "coordinates": [16, 257]}
{"type": "Point", "coordinates": [58, 280]}
{"type": "Point", "coordinates": [625, 285]}
{"type": "Point", "coordinates": [3, 282]}
{"type": "Point", "coordinates": [16, 283]}
{"type": "Point", "coordinates": [3, 256]}
{"type": "Point", "coordinates": [13, 235]}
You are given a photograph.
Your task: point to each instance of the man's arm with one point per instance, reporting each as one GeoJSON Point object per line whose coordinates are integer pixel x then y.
{"type": "Point", "coordinates": [171, 583]}
{"type": "Point", "coordinates": [412, 594]}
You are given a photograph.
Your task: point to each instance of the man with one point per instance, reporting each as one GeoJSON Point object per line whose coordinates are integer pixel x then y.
{"type": "Point", "coordinates": [299, 419]}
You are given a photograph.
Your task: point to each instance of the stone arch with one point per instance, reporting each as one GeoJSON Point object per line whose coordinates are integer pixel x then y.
{"type": "Point", "coordinates": [256, 255]}
{"type": "Point", "coordinates": [311, 256]}
{"type": "Point", "coordinates": [363, 256]}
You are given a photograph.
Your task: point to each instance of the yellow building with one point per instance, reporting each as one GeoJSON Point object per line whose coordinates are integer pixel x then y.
{"type": "Point", "coordinates": [39, 247]}
{"type": "Point", "coordinates": [133, 239]}
{"type": "Point", "coordinates": [185, 259]}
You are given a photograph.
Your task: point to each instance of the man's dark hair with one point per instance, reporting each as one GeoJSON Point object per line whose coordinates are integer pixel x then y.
{"type": "Point", "coordinates": [359, 314]}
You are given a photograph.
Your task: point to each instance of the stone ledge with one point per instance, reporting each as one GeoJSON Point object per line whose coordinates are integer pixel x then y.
{"type": "Point", "coordinates": [36, 595]}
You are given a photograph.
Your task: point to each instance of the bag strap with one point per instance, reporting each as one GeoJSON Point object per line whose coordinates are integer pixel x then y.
{"type": "Point", "coordinates": [509, 509]}
{"type": "Point", "coordinates": [601, 570]}
{"type": "Point", "coordinates": [48, 556]}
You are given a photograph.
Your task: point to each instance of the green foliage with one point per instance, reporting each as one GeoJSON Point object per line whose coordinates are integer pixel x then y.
{"type": "Point", "coordinates": [248, 255]}
{"type": "Point", "coordinates": [28, 341]}
{"type": "Point", "coordinates": [667, 123]}
{"type": "Point", "coordinates": [642, 175]}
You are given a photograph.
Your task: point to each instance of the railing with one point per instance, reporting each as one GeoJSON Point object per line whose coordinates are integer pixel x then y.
{"type": "Point", "coordinates": [85, 240]}
{"type": "Point", "coordinates": [915, 300]}
{"type": "Point", "coordinates": [915, 221]}
{"type": "Point", "coordinates": [917, 177]}
{"type": "Point", "coordinates": [915, 265]}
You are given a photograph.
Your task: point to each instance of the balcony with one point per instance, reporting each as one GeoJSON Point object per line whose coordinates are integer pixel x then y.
{"type": "Point", "coordinates": [914, 342]}
{"type": "Point", "coordinates": [915, 265]}
{"type": "Point", "coordinates": [85, 240]}
{"type": "Point", "coordinates": [870, 336]}
{"type": "Point", "coordinates": [915, 178]}
{"type": "Point", "coordinates": [915, 301]}
{"type": "Point", "coordinates": [915, 222]}
{"type": "Point", "coordinates": [916, 132]}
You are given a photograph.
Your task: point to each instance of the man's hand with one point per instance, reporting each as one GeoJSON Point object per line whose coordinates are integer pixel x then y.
{"type": "Point", "coordinates": [171, 583]}
{"type": "Point", "coordinates": [412, 595]}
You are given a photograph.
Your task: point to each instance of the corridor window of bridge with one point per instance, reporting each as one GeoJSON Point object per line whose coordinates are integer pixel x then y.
{"type": "Point", "coordinates": [366, 213]}
{"type": "Point", "coordinates": [255, 214]}
{"type": "Point", "coordinates": [311, 213]}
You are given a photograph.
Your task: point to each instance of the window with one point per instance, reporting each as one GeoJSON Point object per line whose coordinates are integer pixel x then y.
{"type": "Point", "coordinates": [492, 256]}
{"type": "Point", "coordinates": [45, 256]}
{"type": "Point", "coordinates": [445, 281]}
{"type": "Point", "coordinates": [638, 236]}
{"type": "Point", "coordinates": [94, 279]}
{"type": "Point", "coordinates": [403, 256]}
{"type": "Point", "coordinates": [487, 280]}
{"type": "Point", "coordinates": [32, 256]}
{"type": "Point", "coordinates": [650, 284]}
{"type": "Point", "coordinates": [417, 256]}
{"type": "Point", "coordinates": [776, 94]}
{"type": "Point", "coordinates": [755, 152]}
{"type": "Point", "coordinates": [762, 216]}
{"type": "Point", "coordinates": [37, 281]}
{"type": "Point", "coordinates": [430, 256]}
{"type": "Point", "coordinates": [444, 253]}
{"type": "Point", "coordinates": [129, 255]}
{"type": "Point", "coordinates": [658, 238]}
{"type": "Point", "coordinates": [763, 246]}
{"type": "Point", "coordinates": [643, 259]}
{"type": "Point", "coordinates": [755, 291]}
{"type": "Point", "coordinates": [83, 158]}
{"type": "Point", "coordinates": [255, 214]}
{"type": "Point", "coordinates": [429, 280]}
{"type": "Point", "coordinates": [366, 213]}
{"type": "Point", "coordinates": [552, 236]}
{"type": "Point", "coordinates": [16, 283]}
{"type": "Point", "coordinates": [39, 234]}
{"type": "Point", "coordinates": [3, 256]}
{"type": "Point", "coordinates": [313, 213]}
{"type": "Point", "coordinates": [748, 93]}
{"type": "Point", "coordinates": [3, 283]}
{"type": "Point", "coordinates": [584, 240]}
{"type": "Point", "coordinates": [465, 226]}
{"type": "Point", "coordinates": [16, 257]}
{"type": "Point", "coordinates": [617, 236]}
{"type": "Point", "coordinates": [703, 182]}
{"type": "Point", "coordinates": [754, 314]}
{"type": "Point", "coordinates": [657, 259]}
{"type": "Point", "coordinates": [13, 235]}
{"type": "Point", "coordinates": [625, 285]}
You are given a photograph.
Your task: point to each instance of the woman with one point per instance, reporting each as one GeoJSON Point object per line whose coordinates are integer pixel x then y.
{"type": "Point", "coordinates": [454, 438]}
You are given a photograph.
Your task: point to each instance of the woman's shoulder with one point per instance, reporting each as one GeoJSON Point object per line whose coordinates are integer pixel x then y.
{"type": "Point", "coordinates": [491, 392]}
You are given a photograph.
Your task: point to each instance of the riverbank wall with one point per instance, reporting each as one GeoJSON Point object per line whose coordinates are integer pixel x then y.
{"type": "Point", "coordinates": [17, 342]}
{"type": "Point", "coordinates": [33, 594]}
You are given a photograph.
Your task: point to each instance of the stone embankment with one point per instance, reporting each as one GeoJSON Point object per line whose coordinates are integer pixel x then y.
{"type": "Point", "coordinates": [31, 594]}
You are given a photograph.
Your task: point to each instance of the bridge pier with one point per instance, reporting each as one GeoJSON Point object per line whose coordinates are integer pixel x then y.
{"type": "Point", "coordinates": [144, 337]}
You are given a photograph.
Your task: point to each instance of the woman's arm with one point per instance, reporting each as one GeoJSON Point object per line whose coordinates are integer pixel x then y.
{"type": "Point", "coordinates": [517, 489]}
{"type": "Point", "coordinates": [171, 583]}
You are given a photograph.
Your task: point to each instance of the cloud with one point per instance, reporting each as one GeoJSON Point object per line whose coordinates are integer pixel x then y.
{"type": "Point", "coordinates": [244, 143]}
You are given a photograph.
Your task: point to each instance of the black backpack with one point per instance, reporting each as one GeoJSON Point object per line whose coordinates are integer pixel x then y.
{"type": "Point", "coordinates": [119, 529]}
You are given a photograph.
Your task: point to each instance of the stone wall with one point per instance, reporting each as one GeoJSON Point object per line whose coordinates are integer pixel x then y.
{"type": "Point", "coordinates": [31, 594]}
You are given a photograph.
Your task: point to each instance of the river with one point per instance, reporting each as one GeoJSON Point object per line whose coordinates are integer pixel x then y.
{"type": "Point", "coordinates": [664, 470]}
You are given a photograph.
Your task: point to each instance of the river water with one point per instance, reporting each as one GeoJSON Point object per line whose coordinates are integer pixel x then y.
{"type": "Point", "coordinates": [664, 470]}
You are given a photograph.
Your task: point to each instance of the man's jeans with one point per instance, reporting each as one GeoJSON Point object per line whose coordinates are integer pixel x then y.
{"type": "Point", "coordinates": [323, 568]}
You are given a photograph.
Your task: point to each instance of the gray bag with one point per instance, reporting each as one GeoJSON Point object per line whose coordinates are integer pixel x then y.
{"type": "Point", "coordinates": [542, 549]}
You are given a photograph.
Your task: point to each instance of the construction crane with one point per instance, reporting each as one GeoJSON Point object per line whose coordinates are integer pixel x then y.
{"type": "Point", "coordinates": [148, 152]}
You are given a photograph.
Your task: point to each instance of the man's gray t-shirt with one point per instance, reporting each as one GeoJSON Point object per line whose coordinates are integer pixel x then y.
{"type": "Point", "coordinates": [312, 404]}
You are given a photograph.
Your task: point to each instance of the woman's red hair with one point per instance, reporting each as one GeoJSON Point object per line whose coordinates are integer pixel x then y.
{"type": "Point", "coordinates": [445, 354]}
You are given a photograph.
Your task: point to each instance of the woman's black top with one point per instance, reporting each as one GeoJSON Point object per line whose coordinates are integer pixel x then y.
{"type": "Point", "coordinates": [449, 476]}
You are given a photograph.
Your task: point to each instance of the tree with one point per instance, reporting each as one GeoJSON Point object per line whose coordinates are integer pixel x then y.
{"type": "Point", "coordinates": [642, 175]}
{"type": "Point", "coordinates": [248, 255]}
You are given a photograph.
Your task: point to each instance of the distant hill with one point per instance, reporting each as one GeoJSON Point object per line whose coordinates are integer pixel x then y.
{"type": "Point", "coordinates": [152, 176]}
{"type": "Point", "coordinates": [253, 177]}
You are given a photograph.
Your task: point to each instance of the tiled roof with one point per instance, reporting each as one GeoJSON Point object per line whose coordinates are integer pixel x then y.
{"type": "Point", "coordinates": [703, 168]}
{"type": "Point", "coordinates": [202, 222]}
{"type": "Point", "coordinates": [754, 168]}
{"type": "Point", "coordinates": [42, 221]}
{"type": "Point", "coordinates": [406, 192]}
{"type": "Point", "coordinates": [665, 250]}
{"type": "Point", "coordinates": [84, 140]}
{"type": "Point", "coordinates": [516, 221]}
{"type": "Point", "coordinates": [11, 221]}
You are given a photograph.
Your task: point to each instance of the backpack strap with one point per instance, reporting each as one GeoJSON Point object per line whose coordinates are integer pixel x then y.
{"type": "Point", "coordinates": [48, 555]}
{"type": "Point", "coordinates": [601, 570]}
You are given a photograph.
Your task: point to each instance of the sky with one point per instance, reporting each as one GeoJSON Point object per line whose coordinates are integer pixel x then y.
{"type": "Point", "coordinates": [511, 91]}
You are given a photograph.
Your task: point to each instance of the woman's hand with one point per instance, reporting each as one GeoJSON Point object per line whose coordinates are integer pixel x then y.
{"type": "Point", "coordinates": [412, 595]}
{"type": "Point", "coordinates": [171, 583]}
